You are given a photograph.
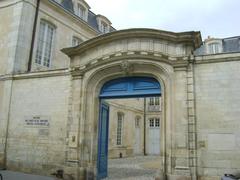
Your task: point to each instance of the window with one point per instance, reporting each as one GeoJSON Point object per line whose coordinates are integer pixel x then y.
{"type": "Point", "coordinates": [45, 43]}
{"type": "Point", "coordinates": [154, 101]}
{"type": "Point", "coordinates": [104, 27]}
{"type": "Point", "coordinates": [154, 104]}
{"type": "Point", "coordinates": [151, 101]}
{"type": "Point", "coordinates": [81, 12]}
{"type": "Point", "coordinates": [154, 123]}
{"type": "Point", "coordinates": [157, 101]}
{"type": "Point", "coordinates": [137, 122]}
{"type": "Point", "coordinates": [76, 41]}
{"type": "Point", "coordinates": [119, 128]}
{"type": "Point", "coordinates": [151, 123]}
{"type": "Point", "coordinates": [213, 48]}
{"type": "Point", "coordinates": [157, 122]}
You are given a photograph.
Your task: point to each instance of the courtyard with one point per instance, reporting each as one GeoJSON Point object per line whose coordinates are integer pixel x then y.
{"type": "Point", "coordinates": [138, 167]}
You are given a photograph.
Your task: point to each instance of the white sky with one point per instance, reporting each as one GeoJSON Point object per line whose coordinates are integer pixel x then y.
{"type": "Point", "coordinates": [217, 18]}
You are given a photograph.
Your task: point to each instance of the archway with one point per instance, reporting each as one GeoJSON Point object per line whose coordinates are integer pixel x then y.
{"type": "Point", "coordinates": [126, 87]}
{"type": "Point", "coordinates": [166, 56]}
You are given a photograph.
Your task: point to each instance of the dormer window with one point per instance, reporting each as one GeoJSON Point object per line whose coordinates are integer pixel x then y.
{"type": "Point", "coordinates": [81, 9]}
{"type": "Point", "coordinates": [76, 41]}
{"type": "Point", "coordinates": [103, 24]}
{"type": "Point", "coordinates": [82, 12]}
{"type": "Point", "coordinates": [213, 48]}
{"type": "Point", "coordinates": [213, 45]}
{"type": "Point", "coordinates": [104, 27]}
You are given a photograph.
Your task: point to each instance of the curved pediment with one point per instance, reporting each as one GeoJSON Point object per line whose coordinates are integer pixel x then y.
{"type": "Point", "coordinates": [141, 42]}
{"type": "Point", "coordinates": [191, 38]}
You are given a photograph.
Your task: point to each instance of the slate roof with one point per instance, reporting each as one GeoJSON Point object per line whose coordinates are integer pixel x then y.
{"type": "Point", "coordinates": [92, 20]}
{"type": "Point", "coordinates": [230, 44]}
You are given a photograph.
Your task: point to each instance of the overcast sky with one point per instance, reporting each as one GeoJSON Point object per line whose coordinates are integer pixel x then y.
{"type": "Point", "coordinates": [217, 18]}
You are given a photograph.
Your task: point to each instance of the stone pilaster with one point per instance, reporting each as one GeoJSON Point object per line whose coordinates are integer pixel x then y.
{"type": "Point", "coordinates": [73, 150]}
{"type": "Point", "coordinates": [192, 132]}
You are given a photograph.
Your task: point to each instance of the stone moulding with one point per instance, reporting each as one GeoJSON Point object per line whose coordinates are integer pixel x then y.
{"type": "Point", "coordinates": [191, 38]}
{"type": "Point", "coordinates": [176, 62]}
{"type": "Point", "coordinates": [222, 57]}
{"type": "Point", "coordinates": [36, 74]}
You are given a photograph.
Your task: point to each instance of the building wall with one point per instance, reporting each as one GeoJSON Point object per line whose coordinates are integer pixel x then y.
{"type": "Point", "coordinates": [34, 147]}
{"type": "Point", "coordinates": [66, 26]}
{"type": "Point", "coordinates": [130, 108]}
{"type": "Point", "coordinates": [217, 108]}
{"type": "Point", "coordinates": [6, 14]}
{"type": "Point", "coordinates": [2, 125]}
{"type": "Point", "coordinates": [14, 34]}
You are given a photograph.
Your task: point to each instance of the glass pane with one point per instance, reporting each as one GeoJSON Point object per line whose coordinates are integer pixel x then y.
{"type": "Point", "coordinates": [151, 123]}
{"type": "Point", "coordinates": [40, 44]}
{"type": "Point", "coordinates": [157, 122]}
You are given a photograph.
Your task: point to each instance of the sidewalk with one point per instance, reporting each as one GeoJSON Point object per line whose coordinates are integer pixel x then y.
{"type": "Point", "coordinates": [10, 175]}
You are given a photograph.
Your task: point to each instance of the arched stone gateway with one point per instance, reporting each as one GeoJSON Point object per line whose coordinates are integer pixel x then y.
{"type": "Point", "coordinates": [164, 56]}
{"type": "Point", "coordinates": [124, 87]}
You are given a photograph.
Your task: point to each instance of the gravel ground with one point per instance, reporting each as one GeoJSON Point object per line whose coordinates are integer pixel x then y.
{"type": "Point", "coordinates": [134, 168]}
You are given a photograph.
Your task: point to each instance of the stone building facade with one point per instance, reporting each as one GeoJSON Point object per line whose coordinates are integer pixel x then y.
{"type": "Point", "coordinates": [140, 119]}
{"type": "Point", "coordinates": [49, 96]}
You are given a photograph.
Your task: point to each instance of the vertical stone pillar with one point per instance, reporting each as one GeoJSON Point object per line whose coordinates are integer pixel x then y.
{"type": "Point", "coordinates": [192, 132]}
{"type": "Point", "coordinates": [180, 157]}
{"type": "Point", "coordinates": [73, 149]}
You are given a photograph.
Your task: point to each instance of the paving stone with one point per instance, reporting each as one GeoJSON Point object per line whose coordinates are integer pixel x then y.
{"type": "Point", "coordinates": [133, 168]}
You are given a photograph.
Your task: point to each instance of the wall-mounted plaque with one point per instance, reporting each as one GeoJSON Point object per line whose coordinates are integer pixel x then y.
{"type": "Point", "coordinates": [37, 121]}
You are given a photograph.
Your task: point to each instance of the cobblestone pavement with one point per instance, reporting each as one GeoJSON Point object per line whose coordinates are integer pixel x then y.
{"type": "Point", "coordinates": [134, 168]}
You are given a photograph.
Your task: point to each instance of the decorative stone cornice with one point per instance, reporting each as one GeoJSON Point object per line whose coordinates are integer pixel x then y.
{"type": "Point", "coordinates": [215, 58]}
{"type": "Point", "coordinates": [127, 57]}
{"type": "Point", "coordinates": [188, 38]}
{"type": "Point", "coordinates": [37, 74]}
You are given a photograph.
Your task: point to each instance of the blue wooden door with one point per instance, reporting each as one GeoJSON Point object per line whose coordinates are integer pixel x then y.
{"type": "Point", "coordinates": [103, 141]}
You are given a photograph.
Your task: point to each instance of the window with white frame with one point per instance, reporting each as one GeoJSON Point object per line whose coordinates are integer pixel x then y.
{"type": "Point", "coordinates": [45, 44]}
{"type": "Point", "coordinates": [119, 128]}
{"type": "Point", "coordinates": [151, 122]}
{"type": "Point", "coordinates": [154, 101]}
{"type": "Point", "coordinates": [213, 48]}
{"type": "Point", "coordinates": [76, 41]}
{"type": "Point", "coordinates": [82, 12]}
{"type": "Point", "coordinates": [154, 122]}
{"type": "Point", "coordinates": [104, 27]}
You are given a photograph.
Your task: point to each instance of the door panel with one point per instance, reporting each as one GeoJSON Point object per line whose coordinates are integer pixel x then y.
{"type": "Point", "coordinates": [103, 141]}
{"type": "Point", "coordinates": [154, 141]}
{"type": "Point", "coordinates": [154, 137]}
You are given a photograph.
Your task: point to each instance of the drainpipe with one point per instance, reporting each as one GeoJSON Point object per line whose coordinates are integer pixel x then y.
{"type": "Point", "coordinates": [144, 128]}
{"type": "Point", "coordinates": [33, 36]}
